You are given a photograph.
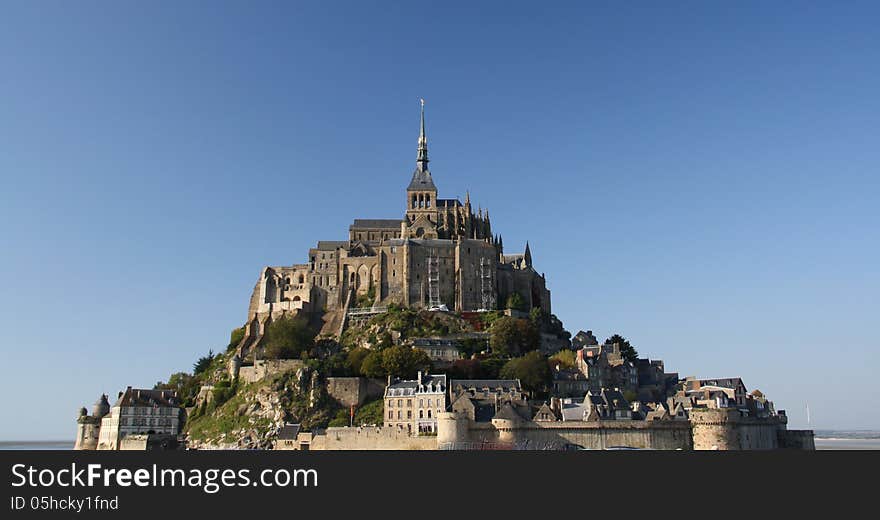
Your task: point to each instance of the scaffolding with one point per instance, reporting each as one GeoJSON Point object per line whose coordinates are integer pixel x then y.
{"type": "Point", "coordinates": [487, 290]}
{"type": "Point", "coordinates": [434, 280]}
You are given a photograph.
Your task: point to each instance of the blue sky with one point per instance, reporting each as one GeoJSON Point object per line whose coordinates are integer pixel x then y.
{"type": "Point", "coordinates": [701, 178]}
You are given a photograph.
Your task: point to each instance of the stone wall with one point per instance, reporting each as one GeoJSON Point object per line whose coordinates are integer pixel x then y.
{"type": "Point", "coordinates": [456, 433]}
{"type": "Point", "coordinates": [707, 429]}
{"type": "Point", "coordinates": [369, 438]}
{"type": "Point", "coordinates": [354, 391]}
{"type": "Point", "coordinates": [142, 442]}
{"type": "Point", "coordinates": [797, 439]}
{"type": "Point", "coordinates": [726, 429]}
{"type": "Point", "coordinates": [264, 368]}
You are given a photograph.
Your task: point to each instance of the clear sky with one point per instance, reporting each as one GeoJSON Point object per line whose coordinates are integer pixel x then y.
{"type": "Point", "coordinates": [701, 178]}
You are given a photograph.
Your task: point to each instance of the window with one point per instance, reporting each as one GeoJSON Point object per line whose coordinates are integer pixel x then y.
{"type": "Point", "coordinates": [421, 403]}
{"type": "Point", "coordinates": [399, 403]}
{"type": "Point", "coordinates": [422, 414]}
{"type": "Point", "coordinates": [409, 414]}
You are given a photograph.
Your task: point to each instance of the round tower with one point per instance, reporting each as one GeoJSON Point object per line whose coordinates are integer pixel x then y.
{"type": "Point", "coordinates": [101, 407]}
{"type": "Point", "coordinates": [452, 429]}
{"type": "Point", "coordinates": [714, 428]}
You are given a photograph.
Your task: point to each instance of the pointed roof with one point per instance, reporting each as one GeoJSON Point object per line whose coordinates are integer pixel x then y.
{"type": "Point", "coordinates": [422, 157]}
{"type": "Point", "coordinates": [421, 179]}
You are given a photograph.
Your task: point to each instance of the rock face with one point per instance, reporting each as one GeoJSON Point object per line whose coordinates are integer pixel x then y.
{"type": "Point", "coordinates": [297, 396]}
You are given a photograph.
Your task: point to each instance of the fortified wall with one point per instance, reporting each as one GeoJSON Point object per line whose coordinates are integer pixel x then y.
{"type": "Point", "coordinates": [456, 431]}
{"type": "Point", "coordinates": [726, 429]}
{"type": "Point", "coordinates": [354, 391]}
{"type": "Point", "coordinates": [707, 429]}
{"type": "Point", "coordinates": [365, 438]}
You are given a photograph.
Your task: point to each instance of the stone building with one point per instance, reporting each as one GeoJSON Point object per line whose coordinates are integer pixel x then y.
{"type": "Point", "coordinates": [88, 427]}
{"type": "Point", "coordinates": [137, 412]}
{"type": "Point", "coordinates": [442, 254]}
{"type": "Point", "coordinates": [414, 405]}
{"type": "Point", "coordinates": [441, 351]}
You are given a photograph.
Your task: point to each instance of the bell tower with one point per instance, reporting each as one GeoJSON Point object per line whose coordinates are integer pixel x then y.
{"type": "Point", "coordinates": [421, 194]}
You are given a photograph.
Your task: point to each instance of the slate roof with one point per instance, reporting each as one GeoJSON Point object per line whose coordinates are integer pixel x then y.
{"type": "Point", "coordinates": [574, 411]}
{"type": "Point", "coordinates": [142, 397]}
{"type": "Point", "coordinates": [569, 374]}
{"type": "Point", "coordinates": [435, 342]}
{"type": "Point", "coordinates": [412, 387]}
{"type": "Point", "coordinates": [448, 203]}
{"type": "Point", "coordinates": [376, 223]}
{"type": "Point", "coordinates": [331, 245]}
{"type": "Point", "coordinates": [727, 382]}
{"type": "Point", "coordinates": [288, 432]}
{"type": "Point", "coordinates": [421, 181]}
{"type": "Point", "coordinates": [492, 384]}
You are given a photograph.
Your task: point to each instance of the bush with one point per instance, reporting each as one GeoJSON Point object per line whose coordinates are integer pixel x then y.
{"type": "Point", "coordinates": [532, 370]}
{"type": "Point", "coordinates": [235, 338]}
{"type": "Point", "coordinates": [399, 361]}
{"type": "Point", "coordinates": [564, 358]}
{"type": "Point", "coordinates": [512, 336]}
{"type": "Point", "coordinates": [203, 363]}
{"type": "Point", "coordinates": [287, 338]}
{"type": "Point", "coordinates": [516, 302]}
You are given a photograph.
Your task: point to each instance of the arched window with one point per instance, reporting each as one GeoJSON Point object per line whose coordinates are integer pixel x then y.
{"type": "Point", "coordinates": [301, 278]}
{"type": "Point", "coordinates": [421, 414]}
{"type": "Point", "coordinates": [429, 414]}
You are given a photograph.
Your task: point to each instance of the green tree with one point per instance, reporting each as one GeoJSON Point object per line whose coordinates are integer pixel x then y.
{"type": "Point", "coordinates": [370, 413]}
{"type": "Point", "coordinates": [516, 302]}
{"type": "Point", "coordinates": [512, 336]}
{"type": "Point", "coordinates": [203, 363]}
{"type": "Point", "coordinates": [355, 359]}
{"type": "Point", "coordinates": [186, 385]}
{"type": "Point", "coordinates": [564, 358]}
{"type": "Point", "coordinates": [532, 370]}
{"type": "Point", "coordinates": [287, 338]}
{"type": "Point", "coordinates": [372, 365]}
{"type": "Point", "coordinates": [398, 361]}
{"type": "Point", "coordinates": [405, 362]}
{"type": "Point", "coordinates": [628, 351]}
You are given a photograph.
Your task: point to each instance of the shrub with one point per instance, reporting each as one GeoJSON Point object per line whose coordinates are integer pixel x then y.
{"type": "Point", "coordinates": [512, 336]}
{"type": "Point", "coordinates": [287, 338]}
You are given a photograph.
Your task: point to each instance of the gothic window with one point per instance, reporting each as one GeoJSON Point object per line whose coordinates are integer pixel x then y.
{"type": "Point", "coordinates": [427, 201]}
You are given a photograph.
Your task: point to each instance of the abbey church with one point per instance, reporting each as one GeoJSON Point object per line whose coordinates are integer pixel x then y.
{"type": "Point", "coordinates": [441, 256]}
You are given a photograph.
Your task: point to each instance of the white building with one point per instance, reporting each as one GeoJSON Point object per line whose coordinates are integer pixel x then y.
{"type": "Point", "coordinates": [139, 411]}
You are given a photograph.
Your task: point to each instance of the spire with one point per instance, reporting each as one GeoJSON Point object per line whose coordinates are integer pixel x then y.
{"type": "Point", "coordinates": [528, 255]}
{"type": "Point", "coordinates": [467, 198]}
{"type": "Point", "coordinates": [422, 159]}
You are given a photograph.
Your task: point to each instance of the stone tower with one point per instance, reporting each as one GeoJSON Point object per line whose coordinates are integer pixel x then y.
{"type": "Point", "coordinates": [421, 194]}
{"type": "Point", "coordinates": [88, 427]}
